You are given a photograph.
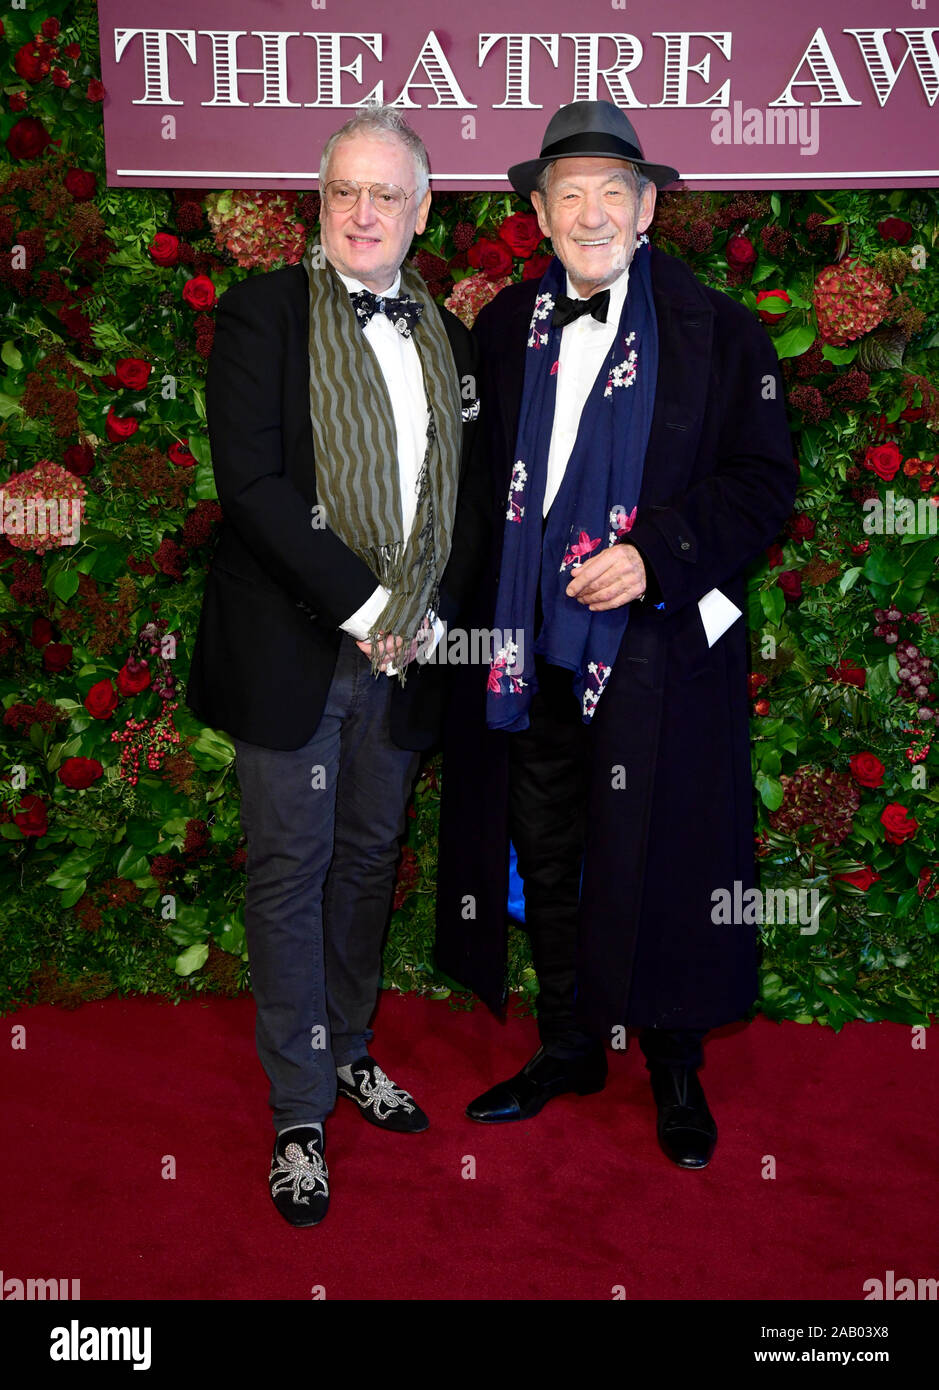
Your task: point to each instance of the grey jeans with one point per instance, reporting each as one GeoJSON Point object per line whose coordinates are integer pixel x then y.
{"type": "Point", "coordinates": [323, 825]}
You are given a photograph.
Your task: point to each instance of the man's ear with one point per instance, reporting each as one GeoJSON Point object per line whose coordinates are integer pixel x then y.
{"type": "Point", "coordinates": [646, 207]}
{"type": "Point", "coordinates": [541, 212]}
{"type": "Point", "coordinates": [422, 211]}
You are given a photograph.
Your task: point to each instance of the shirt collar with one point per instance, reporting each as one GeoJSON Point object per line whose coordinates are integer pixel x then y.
{"type": "Point", "coordinates": [353, 285]}
{"type": "Point", "coordinates": [617, 295]}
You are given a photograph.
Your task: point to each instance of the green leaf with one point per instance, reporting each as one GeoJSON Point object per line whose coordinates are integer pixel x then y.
{"type": "Point", "coordinates": [205, 488]}
{"type": "Point", "coordinates": [795, 340]}
{"type": "Point", "coordinates": [65, 584]}
{"type": "Point", "coordinates": [771, 791]}
{"type": "Point", "coordinates": [883, 567]}
{"type": "Point", "coordinates": [849, 579]}
{"type": "Point", "coordinates": [774, 304]}
{"type": "Point", "coordinates": [133, 864]}
{"type": "Point", "coordinates": [70, 896]}
{"type": "Point", "coordinates": [773, 602]}
{"type": "Point", "coordinates": [839, 355]}
{"type": "Point", "coordinates": [212, 750]}
{"type": "Point", "coordinates": [11, 355]}
{"type": "Point", "coordinates": [192, 959]}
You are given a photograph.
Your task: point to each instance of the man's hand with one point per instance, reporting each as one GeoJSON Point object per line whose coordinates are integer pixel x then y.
{"type": "Point", "coordinates": [393, 650]}
{"type": "Point", "coordinates": [610, 579]}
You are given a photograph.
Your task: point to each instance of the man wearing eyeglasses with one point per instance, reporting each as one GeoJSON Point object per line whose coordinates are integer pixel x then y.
{"type": "Point", "coordinates": [340, 411]}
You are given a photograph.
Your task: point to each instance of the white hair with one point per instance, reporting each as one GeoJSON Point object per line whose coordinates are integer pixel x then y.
{"type": "Point", "coordinates": [386, 122]}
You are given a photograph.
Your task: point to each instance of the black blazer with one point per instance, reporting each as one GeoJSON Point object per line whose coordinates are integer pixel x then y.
{"type": "Point", "coordinates": [262, 664]}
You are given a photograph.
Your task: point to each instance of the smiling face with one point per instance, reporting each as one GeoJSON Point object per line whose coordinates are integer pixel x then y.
{"type": "Point", "coordinates": [365, 244]}
{"type": "Point", "coordinates": [593, 218]}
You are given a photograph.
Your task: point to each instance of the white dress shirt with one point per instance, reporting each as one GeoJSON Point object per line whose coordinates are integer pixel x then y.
{"type": "Point", "coordinates": [585, 344]}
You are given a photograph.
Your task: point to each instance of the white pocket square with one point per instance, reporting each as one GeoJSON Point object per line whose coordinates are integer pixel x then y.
{"type": "Point", "coordinates": [717, 614]}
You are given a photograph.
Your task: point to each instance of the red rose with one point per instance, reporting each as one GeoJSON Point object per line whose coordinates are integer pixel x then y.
{"type": "Point", "coordinates": [132, 682]}
{"type": "Point", "coordinates": [95, 90]}
{"type": "Point", "coordinates": [79, 459]}
{"type": "Point", "coordinates": [61, 78]}
{"type": "Point", "coordinates": [101, 700]}
{"type": "Point", "coordinates": [492, 257]}
{"type": "Point", "coordinates": [521, 233]}
{"type": "Point", "coordinates": [535, 267]}
{"type": "Point", "coordinates": [180, 455]}
{"type": "Point", "coordinates": [861, 548]}
{"type": "Point", "coordinates": [41, 632]}
{"type": "Point", "coordinates": [860, 878]}
{"type": "Point", "coordinates": [28, 138]}
{"type": "Point", "coordinates": [56, 656]}
{"type": "Point", "coordinates": [740, 252]}
{"type": "Point", "coordinates": [867, 769]}
{"type": "Point", "coordinates": [50, 28]}
{"type": "Point", "coordinates": [30, 63]}
{"type": "Point", "coordinates": [895, 229]}
{"type": "Point", "coordinates": [79, 773]}
{"type": "Point", "coordinates": [17, 101]}
{"type": "Point", "coordinates": [120, 428]}
{"type": "Point", "coordinates": [803, 527]}
{"type": "Point", "coordinates": [31, 817]}
{"type": "Point", "coordinates": [164, 248]}
{"type": "Point", "coordinates": [790, 581]}
{"type": "Point", "coordinates": [81, 184]}
{"type": "Point", "coordinates": [761, 707]}
{"type": "Point", "coordinates": [132, 372]}
{"type": "Point", "coordinates": [848, 674]}
{"type": "Point", "coordinates": [884, 460]}
{"type": "Point", "coordinates": [73, 51]}
{"type": "Point", "coordinates": [768, 315]}
{"type": "Point", "coordinates": [774, 554]}
{"type": "Point", "coordinates": [199, 292]}
{"type": "Point", "coordinates": [898, 826]}
{"type": "Point", "coordinates": [924, 880]}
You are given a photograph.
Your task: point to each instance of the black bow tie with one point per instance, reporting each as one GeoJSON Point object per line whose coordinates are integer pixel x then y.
{"type": "Point", "coordinates": [403, 314]}
{"type": "Point", "coordinates": [567, 310]}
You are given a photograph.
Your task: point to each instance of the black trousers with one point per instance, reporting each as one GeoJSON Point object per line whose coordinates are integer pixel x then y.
{"type": "Point", "coordinates": [548, 765]}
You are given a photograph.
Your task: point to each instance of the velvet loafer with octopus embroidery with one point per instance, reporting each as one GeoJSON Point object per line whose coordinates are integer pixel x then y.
{"type": "Point", "coordinates": [299, 1179]}
{"type": "Point", "coordinates": [380, 1100]}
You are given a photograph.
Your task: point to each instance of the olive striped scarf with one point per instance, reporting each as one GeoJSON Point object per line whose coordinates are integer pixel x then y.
{"type": "Point", "coordinates": [355, 445]}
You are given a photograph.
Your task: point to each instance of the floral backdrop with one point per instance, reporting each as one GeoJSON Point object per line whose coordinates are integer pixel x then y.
{"type": "Point", "coordinates": [122, 860]}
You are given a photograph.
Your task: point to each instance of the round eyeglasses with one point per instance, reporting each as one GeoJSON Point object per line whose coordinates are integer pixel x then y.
{"type": "Point", "coordinates": [342, 195]}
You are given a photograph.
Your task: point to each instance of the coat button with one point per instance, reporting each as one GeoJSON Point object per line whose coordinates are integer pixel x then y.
{"type": "Point", "coordinates": [686, 545]}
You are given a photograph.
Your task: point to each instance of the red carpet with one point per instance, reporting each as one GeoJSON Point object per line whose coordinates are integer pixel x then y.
{"type": "Point", "coordinates": [565, 1206]}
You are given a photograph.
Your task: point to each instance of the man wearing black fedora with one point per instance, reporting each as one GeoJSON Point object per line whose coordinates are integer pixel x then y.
{"type": "Point", "coordinates": [640, 459]}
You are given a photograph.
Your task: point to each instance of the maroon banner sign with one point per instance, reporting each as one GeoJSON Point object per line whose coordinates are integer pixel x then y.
{"type": "Point", "coordinates": [243, 93]}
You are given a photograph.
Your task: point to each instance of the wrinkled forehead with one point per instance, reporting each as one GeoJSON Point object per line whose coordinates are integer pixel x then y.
{"type": "Point", "coordinates": [577, 172]}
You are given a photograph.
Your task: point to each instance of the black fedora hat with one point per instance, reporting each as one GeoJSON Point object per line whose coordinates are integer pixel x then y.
{"type": "Point", "coordinates": [588, 128]}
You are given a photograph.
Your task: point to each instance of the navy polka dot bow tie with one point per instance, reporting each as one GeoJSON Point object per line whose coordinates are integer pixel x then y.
{"type": "Point", "coordinates": [403, 314]}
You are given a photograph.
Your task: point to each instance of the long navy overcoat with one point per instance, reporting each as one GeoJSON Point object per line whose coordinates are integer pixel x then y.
{"type": "Point", "coordinates": [670, 810]}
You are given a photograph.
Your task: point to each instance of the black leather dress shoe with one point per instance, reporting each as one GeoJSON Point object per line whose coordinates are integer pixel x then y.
{"type": "Point", "coordinates": [686, 1129]}
{"type": "Point", "coordinates": [541, 1079]}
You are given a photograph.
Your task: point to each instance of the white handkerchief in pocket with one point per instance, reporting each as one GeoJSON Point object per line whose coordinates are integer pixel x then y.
{"type": "Point", "coordinates": [717, 614]}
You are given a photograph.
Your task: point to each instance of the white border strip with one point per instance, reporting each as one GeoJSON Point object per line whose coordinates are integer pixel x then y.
{"type": "Point", "coordinates": [501, 178]}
